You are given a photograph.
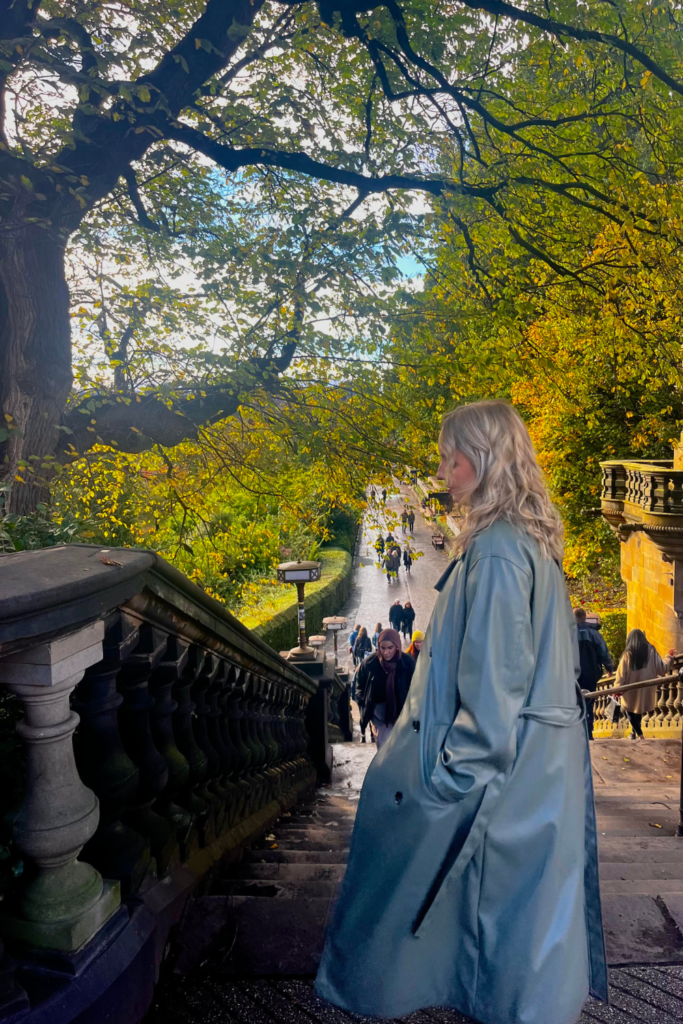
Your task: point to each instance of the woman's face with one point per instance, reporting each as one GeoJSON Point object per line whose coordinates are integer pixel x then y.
{"type": "Point", "coordinates": [458, 473]}
{"type": "Point", "coordinates": [387, 649]}
{"type": "Point", "coordinates": [417, 644]}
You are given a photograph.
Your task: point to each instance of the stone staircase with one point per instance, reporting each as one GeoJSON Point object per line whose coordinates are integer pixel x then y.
{"type": "Point", "coordinates": [266, 915]}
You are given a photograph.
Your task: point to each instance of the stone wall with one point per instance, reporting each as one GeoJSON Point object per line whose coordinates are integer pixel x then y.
{"type": "Point", "coordinates": [651, 593]}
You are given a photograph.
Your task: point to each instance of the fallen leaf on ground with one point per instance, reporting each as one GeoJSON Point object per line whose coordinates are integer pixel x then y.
{"type": "Point", "coordinates": [627, 759]}
{"type": "Point", "coordinates": [653, 824]}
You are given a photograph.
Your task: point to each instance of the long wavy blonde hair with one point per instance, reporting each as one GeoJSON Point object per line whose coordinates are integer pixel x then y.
{"type": "Point", "coordinates": [510, 485]}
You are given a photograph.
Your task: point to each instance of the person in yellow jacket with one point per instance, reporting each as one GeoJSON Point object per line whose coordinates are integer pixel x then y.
{"type": "Point", "coordinates": [416, 641]}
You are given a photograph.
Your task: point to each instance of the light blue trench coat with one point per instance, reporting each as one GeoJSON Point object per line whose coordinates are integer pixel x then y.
{"type": "Point", "coordinates": [472, 879]}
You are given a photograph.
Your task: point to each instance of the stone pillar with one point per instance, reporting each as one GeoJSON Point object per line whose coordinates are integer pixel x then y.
{"type": "Point", "coordinates": [64, 901]}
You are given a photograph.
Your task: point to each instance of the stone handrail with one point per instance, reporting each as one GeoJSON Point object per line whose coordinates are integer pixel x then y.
{"type": "Point", "coordinates": [160, 737]}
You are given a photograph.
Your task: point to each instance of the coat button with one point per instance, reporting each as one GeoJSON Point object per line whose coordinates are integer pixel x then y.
{"type": "Point", "coordinates": [399, 798]}
{"type": "Point", "coordinates": [416, 725]}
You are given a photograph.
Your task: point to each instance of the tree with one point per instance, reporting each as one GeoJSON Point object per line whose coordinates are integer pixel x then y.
{"type": "Point", "coordinates": [99, 101]}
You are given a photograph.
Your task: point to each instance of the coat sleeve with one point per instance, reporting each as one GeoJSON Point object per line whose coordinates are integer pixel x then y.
{"type": "Point", "coordinates": [605, 656]}
{"type": "Point", "coordinates": [495, 670]}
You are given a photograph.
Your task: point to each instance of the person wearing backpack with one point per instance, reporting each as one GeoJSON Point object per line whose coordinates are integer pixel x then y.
{"type": "Point", "coordinates": [594, 657]}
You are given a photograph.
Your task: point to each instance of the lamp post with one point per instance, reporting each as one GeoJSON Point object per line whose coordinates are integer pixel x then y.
{"type": "Point", "coordinates": [300, 573]}
{"type": "Point", "coordinates": [333, 624]}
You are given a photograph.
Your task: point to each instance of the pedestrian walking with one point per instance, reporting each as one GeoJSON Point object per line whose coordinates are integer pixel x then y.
{"type": "Point", "coordinates": [411, 521]}
{"type": "Point", "coordinates": [404, 521]}
{"type": "Point", "coordinates": [472, 881]}
{"type": "Point", "coordinates": [373, 496]}
{"type": "Point", "coordinates": [407, 620]}
{"type": "Point", "coordinates": [416, 642]}
{"type": "Point", "coordinates": [384, 495]}
{"type": "Point", "coordinates": [353, 636]}
{"type": "Point", "coordinates": [355, 695]}
{"type": "Point", "coordinates": [392, 563]}
{"type": "Point", "coordinates": [362, 647]}
{"type": "Point", "coordinates": [375, 638]}
{"type": "Point", "coordinates": [407, 560]}
{"type": "Point", "coordinates": [383, 683]}
{"type": "Point", "coordinates": [640, 661]}
{"type": "Point", "coordinates": [396, 615]}
{"type": "Point", "coordinates": [594, 657]}
{"type": "Point", "coordinates": [379, 545]}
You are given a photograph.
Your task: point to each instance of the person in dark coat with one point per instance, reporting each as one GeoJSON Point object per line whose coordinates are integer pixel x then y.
{"type": "Point", "coordinates": [379, 545]}
{"type": "Point", "coordinates": [407, 620]}
{"type": "Point", "coordinates": [404, 521]}
{"type": "Point", "coordinates": [407, 560]}
{"type": "Point", "coordinates": [396, 615]}
{"type": "Point", "coordinates": [411, 520]}
{"type": "Point", "coordinates": [353, 636]}
{"type": "Point", "coordinates": [383, 684]}
{"type": "Point", "coordinates": [362, 646]}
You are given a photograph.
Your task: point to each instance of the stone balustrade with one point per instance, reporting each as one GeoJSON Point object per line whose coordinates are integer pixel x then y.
{"type": "Point", "coordinates": [663, 722]}
{"type": "Point", "coordinates": [642, 501]}
{"type": "Point", "coordinates": [160, 737]}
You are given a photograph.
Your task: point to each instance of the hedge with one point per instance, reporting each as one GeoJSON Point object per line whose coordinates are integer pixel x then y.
{"type": "Point", "coordinates": [614, 632]}
{"type": "Point", "coordinates": [281, 631]}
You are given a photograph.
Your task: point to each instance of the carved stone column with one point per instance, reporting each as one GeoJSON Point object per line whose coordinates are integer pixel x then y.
{"type": "Point", "coordinates": [116, 850]}
{"type": "Point", "coordinates": [64, 901]}
{"type": "Point", "coordinates": [194, 796]}
{"type": "Point", "coordinates": [163, 678]}
{"type": "Point", "coordinates": [136, 733]}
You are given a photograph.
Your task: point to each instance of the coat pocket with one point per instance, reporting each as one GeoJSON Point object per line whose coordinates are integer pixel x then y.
{"type": "Point", "coordinates": [473, 814]}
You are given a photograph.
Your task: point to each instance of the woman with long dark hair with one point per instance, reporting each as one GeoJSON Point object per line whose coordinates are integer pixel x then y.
{"type": "Point", "coordinates": [639, 661]}
{"type": "Point", "coordinates": [472, 877]}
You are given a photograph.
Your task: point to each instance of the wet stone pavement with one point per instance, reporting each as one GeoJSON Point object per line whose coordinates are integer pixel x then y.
{"type": "Point", "coordinates": [246, 952]}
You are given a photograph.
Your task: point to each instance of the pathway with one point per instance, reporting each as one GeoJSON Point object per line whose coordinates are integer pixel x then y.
{"type": "Point", "coordinates": [248, 950]}
{"type": "Point", "coordinates": [371, 595]}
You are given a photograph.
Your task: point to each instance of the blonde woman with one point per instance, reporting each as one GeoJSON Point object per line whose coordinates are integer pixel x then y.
{"type": "Point", "coordinates": [472, 878]}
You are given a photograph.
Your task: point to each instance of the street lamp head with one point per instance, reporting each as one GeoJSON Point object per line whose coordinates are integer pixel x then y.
{"type": "Point", "coordinates": [334, 622]}
{"type": "Point", "coordinates": [298, 572]}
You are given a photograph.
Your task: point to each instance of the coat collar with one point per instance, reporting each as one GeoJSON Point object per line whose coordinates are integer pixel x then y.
{"type": "Point", "coordinates": [441, 583]}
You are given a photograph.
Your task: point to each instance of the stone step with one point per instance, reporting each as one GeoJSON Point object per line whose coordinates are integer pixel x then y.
{"type": "Point", "coordinates": [286, 856]}
{"type": "Point", "coordinates": [272, 889]}
{"type": "Point", "coordinates": [644, 887]}
{"type": "Point", "coordinates": [252, 936]}
{"type": "Point", "coordinates": [312, 833]}
{"type": "Point", "coordinates": [650, 846]}
{"type": "Point", "coordinates": [340, 846]}
{"type": "Point", "coordinates": [289, 872]}
{"type": "Point", "coordinates": [639, 928]}
{"type": "Point", "coordinates": [275, 937]}
{"type": "Point", "coordinates": [641, 871]}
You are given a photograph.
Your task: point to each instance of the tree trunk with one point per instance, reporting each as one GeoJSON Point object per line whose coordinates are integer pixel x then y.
{"type": "Point", "coordinates": [35, 358]}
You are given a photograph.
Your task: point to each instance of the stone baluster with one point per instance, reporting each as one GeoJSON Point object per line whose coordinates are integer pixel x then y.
{"type": "Point", "coordinates": [161, 682]}
{"type": "Point", "coordinates": [269, 737]}
{"type": "Point", "coordinates": [250, 706]}
{"type": "Point", "coordinates": [263, 715]}
{"type": "Point", "coordinates": [228, 676]}
{"type": "Point", "coordinates": [304, 758]}
{"type": "Point", "coordinates": [678, 704]}
{"type": "Point", "coordinates": [136, 733]}
{"type": "Point", "coordinates": [660, 708]}
{"type": "Point", "coordinates": [116, 850]}
{"type": "Point", "coordinates": [64, 901]}
{"type": "Point", "coordinates": [200, 723]}
{"type": "Point", "coordinates": [213, 695]}
{"type": "Point", "coordinates": [241, 771]}
{"type": "Point", "coordinates": [195, 797]}
{"type": "Point", "coordinates": [670, 705]}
